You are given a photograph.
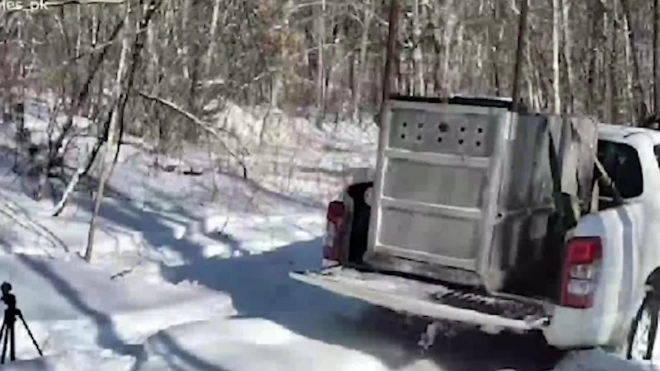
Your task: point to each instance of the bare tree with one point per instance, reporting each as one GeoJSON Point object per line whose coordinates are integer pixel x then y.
{"type": "Point", "coordinates": [367, 17]}
{"type": "Point", "coordinates": [121, 91]}
{"type": "Point", "coordinates": [112, 131]}
{"type": "Point", "coordinates": [320, 77]}
{"type": "Point", "coordinates": [417, 51]}
{"type": "Point", "coordinates": [568, 54]}
{"type": "Point", "coordinates": [556, 73]}
{"type": "Point", "coordinates": [639, 104]}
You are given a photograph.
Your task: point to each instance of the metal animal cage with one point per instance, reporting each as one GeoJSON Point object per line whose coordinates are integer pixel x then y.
{"type": "Point", "coordinates": [459, 190]}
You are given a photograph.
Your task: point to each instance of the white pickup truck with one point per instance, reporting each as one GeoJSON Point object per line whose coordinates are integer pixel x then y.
{"type": "Point", "coordinates": [460, 223]}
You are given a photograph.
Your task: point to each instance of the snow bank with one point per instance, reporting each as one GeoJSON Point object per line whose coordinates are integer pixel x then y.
{"type": "Point", "coordinates": [56, 289]}
{"type": "Point", "coordinates": [246, 345]}
{"type": "Point", "coordinates": [75, 360]}
{"type": "Point", "coordinates": [71, 306]}
{"type": "Point", "coordinates": [598, 360]}
{"type": "Point", "coordinates": [260, 125]}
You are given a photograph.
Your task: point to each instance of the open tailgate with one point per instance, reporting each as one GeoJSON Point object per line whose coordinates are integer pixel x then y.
{"type": "Point", "coordinates": [429, 300]}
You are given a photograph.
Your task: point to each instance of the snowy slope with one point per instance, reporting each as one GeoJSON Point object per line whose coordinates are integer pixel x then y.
{"type": "Point", "coordinates": [598, 360]}
{"type": "Point", "coordinates": [71, 306]}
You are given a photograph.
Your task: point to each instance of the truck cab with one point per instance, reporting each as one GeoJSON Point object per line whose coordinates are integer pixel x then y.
{"type": "Point", "coordinates": [468, 234]}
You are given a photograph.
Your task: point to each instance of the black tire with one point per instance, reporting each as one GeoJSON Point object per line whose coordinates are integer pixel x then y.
{"type": "Point", "coordinates": [650, 307]}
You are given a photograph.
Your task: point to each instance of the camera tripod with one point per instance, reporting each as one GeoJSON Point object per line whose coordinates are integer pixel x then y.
{"type": "Point", "coordinates": [8, 329]}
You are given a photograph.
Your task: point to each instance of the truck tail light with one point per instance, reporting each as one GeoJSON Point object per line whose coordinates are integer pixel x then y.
{"type": "Point", "coordinates": [580, 273]}
{"type": "Point", "coordinates": [332, 246]}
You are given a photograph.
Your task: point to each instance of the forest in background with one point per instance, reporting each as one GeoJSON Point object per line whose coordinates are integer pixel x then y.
{"type": "Point", "coordinates": [325, 57]}
{"type": "Point", "coordinates": [163, 70]}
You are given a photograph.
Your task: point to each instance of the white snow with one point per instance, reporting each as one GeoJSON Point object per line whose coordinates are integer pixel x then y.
{"type": "Point", "coordinates": [191, 272]}
{"type": "Point", "coordinates": [598, 360]}
{"type": "Point", "coordinates": [247, 344]}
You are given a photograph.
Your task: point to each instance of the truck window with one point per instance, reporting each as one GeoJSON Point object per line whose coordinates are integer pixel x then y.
{"type": "Point", "coordinates": [622, 164]}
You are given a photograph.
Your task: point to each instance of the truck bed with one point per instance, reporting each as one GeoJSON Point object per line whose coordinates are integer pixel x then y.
{"type": "Point", "coordinates": [431, 300]}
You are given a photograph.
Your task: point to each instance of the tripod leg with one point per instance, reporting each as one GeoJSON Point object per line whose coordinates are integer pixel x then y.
{"type": "Point", "coordinates": [3, 329]}
{"type": "Point", "coordinates": [20, 315]}
{"type": "Point", "coordinates": [3, 332]}
{"type": "Point", "coordinates": [7, 327]}
{"type": "Point", "coordinates": [12, 339]}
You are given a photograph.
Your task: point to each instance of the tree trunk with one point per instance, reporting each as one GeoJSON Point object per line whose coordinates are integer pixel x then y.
{"type": "Point", "coordinates": [556, 73]}
{"type": "Point", "coordinates": [363, 67]}
{"type": "Point", "coordinates": [594, 46]}
{"type": "Point", "coordinates": [656, 56]}
{"type": "Point", "coordinates": [213, 43]}
{"type": "Point", "coordinates": [417, 51]}
{"type": "Point", "coordinates": [390, 55]}
{"type": "Point", "coordinates": [534, 94]}
{"type": "Point", "coordinates": [459, 63]}
{"type": "Point", "coordinates": [611, 106]}
{"type": "Point", "coordinates": [639, 105]}
{"type": "Point", "coordinates": [320, 72]}
{"type": "Point", "coordinates": [446, 43]}
{"type": "Point", "coordinates": [278, 78]}
{"type": "Point", "coordinates": [114, 124]}
{"type": "Point", "coordinates": [185, 21]}
{"type": "Point", "coordinates": [520, 49]}
{"type": "Point", "coordinates": [568, 55]}
{"type": "Point", "coordinates": [494, 41]}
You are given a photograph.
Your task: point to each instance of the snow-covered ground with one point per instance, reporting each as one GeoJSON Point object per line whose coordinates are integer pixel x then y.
{"type": "Point", "coordinates": [191, 272]}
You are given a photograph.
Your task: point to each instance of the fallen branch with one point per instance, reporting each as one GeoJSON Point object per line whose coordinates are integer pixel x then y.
{"type": "Point", "coordinates": [203, 124]}
{"type": "Point", "coordinates": [11, 210]}
{"type": "Point", "coordinates": [124, 272]}
{"type": "Point", "coordinates": [85, 167]}
{"type": "Point", "coordinates": [130, 270]}
{"type": "Point", "coordinates": [80, 172]}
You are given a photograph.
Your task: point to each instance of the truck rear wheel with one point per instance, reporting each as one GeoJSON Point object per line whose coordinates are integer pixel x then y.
{"type": "Point", "coordinates": [640, 344]}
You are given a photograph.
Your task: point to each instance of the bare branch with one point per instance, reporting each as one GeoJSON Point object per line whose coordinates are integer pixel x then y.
{"type": "Point", "coordinates": [203, 124]}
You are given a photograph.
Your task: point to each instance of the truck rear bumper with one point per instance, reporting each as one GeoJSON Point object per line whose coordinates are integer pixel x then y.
{"type": "Point", "coordinates": [430, 300]}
